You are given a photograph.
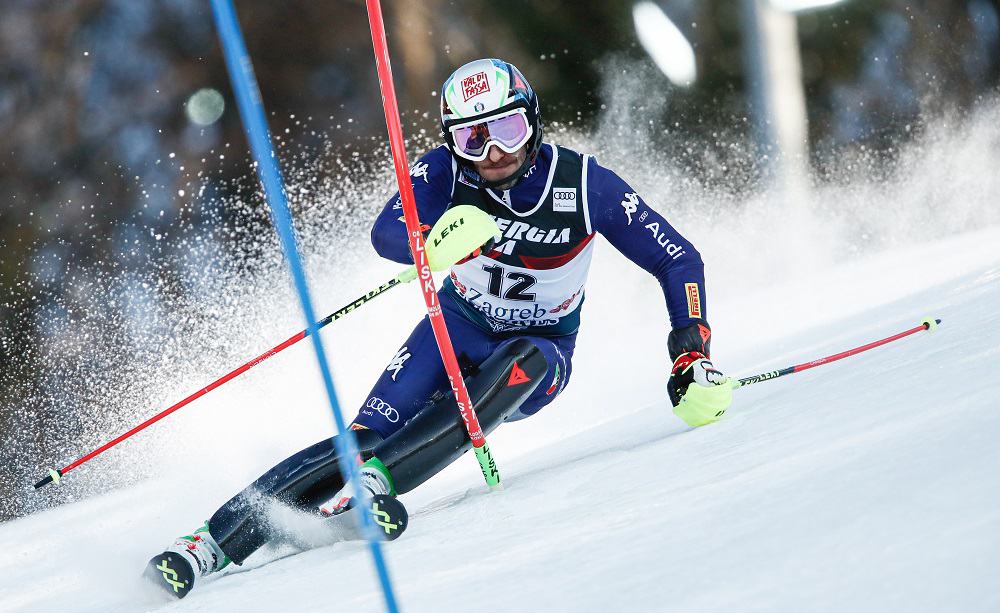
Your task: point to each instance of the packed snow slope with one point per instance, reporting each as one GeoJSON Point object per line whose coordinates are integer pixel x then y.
{"type": "Point", "coordinates": [866, 485]}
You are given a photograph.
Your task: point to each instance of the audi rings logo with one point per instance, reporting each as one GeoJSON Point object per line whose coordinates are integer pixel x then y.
{"type": "Point", "coordinates": [564, 199]}
{"type": "Point", "coordinates": [384, 408]}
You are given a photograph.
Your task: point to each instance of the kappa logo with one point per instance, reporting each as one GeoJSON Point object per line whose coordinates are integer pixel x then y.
{"type": "Point", "coordinates": [564, 199]}
{"type": "Point", "coordinates": [419, 170]}
{"type": "Point", "coordinates": [396, 363]}
{"type": "Point", "coordinates": [474, 85]}
{"type": "Point", "coordinates": [631, 204]}
{"type": "Point", "coordinates": [383, 408]}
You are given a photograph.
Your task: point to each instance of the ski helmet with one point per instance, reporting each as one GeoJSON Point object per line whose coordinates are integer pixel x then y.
{"type": "Point", "coordinates": [489, 102]}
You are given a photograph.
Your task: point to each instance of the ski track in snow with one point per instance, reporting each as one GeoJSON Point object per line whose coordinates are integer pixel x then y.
{"type": "Point", "coordinates": [865, 485]}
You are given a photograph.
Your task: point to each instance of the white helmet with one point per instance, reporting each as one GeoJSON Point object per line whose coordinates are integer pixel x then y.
{"type": "Point", "coordinates": [489, 102]}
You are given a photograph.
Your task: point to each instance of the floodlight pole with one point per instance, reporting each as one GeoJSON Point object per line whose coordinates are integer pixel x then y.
{"type": "Point", "coordinates": [776, 96]}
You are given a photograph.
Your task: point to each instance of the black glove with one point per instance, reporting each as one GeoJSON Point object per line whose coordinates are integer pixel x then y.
{"type": "Point", "coordinates": [694, 339]}
{"type": "Point", "coordinates": [699, 392]}
{"type": "Point", "coordinates": [484, 248]}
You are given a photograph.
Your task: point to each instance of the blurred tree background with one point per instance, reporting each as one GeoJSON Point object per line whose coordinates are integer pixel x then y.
{"type": "Point", "coordinates": [98, 138]}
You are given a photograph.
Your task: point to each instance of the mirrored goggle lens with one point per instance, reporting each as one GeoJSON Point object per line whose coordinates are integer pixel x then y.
{"type": "Point", "coordinates": [510, 133]}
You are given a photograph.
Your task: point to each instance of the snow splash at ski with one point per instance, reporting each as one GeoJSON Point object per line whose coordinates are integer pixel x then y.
{"type": "Point", "coordinates": [124, 342]}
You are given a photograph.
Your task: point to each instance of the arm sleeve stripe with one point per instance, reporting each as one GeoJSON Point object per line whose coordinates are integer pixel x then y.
{"type": "Point", "coordinates": [454, 175]}
{"type": "Point", "coordinates": [585, 189]}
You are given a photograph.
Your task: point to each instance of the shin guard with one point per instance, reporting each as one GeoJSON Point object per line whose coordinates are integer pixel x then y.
{"type": "Point", "coordinates": [436, 436]}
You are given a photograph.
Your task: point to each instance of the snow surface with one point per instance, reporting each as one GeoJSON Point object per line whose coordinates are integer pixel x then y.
{"type": "Point", "coordinates": [866, 485]}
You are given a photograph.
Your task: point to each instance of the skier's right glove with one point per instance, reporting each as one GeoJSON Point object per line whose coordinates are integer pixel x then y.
{"type": "Point", "coordinates": [699, 392]}
{"type": "Point", "coordinates": [707, 400]}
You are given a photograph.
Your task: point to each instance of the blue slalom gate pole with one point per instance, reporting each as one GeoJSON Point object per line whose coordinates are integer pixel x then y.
{"type": "Point", "coordinates": [251, 107]}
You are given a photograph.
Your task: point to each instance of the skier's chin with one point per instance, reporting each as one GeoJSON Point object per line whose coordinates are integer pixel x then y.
{"type": "Point", "coordinates": [501, 175]}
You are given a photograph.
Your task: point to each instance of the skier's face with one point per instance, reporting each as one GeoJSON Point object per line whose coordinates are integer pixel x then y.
{"type": "Point", "coordinates": [500, 165]}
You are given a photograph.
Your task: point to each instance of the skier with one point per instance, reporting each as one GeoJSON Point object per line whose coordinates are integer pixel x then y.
{"type": "Point", "coordinates": [512, 309]}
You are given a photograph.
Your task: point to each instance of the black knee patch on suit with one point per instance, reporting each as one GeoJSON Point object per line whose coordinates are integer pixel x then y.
{"type": "Point", "coordinates": [305, 479]}
{"type": "Point", "coordinates": [436, 436]}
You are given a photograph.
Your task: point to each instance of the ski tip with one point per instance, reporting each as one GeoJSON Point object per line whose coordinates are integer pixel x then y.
{"type": "Point", "coordinates": [54, 476]}
{"type": "Point", "coordinates": [930, 323]}
{"type": "Point", "coordinates": [171, 573]}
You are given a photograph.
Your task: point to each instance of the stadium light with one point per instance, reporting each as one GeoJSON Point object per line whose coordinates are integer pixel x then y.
{"type": "Point", "coordinates": [665, 43]}
{"type": "Point", "coordinates": [797, 6]}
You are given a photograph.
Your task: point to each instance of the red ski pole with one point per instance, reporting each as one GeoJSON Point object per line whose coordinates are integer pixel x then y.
{"type": "Point", "coordinates": [449, 247]}
{"type": "Point", "coordinates": [927, 324]}
{"type": "Point", "coordinates": [402, 167]}
{"type": "Point", "coordinates": [56, 474]}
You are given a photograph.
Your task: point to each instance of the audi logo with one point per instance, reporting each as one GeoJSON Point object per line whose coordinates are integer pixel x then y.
{"type": "Point", "coordinates": [384, 408]}
{"type": "Point", "coordinates": [564, 195]}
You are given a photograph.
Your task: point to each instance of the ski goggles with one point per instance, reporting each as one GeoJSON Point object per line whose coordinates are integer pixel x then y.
{"type": "Point", "coordinates": [509, 131]}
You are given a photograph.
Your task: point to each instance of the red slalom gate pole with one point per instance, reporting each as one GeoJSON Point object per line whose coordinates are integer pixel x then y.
{"type": "Point", "coordinates": [927, 324]}
{"type": "Point", "coordinates": [402, 167]}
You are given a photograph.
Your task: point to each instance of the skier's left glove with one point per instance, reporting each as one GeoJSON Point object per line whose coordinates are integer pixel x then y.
{"type": "Point", "coordinates": [699, 392]}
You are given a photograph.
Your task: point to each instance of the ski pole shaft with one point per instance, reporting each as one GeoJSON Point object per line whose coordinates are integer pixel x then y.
{"type": "Point", "coordinates": [412, 219]}
{"type": "Point", "coordinates": [404, 277]}
{"type": "Point", "coordinates": [927, 324]}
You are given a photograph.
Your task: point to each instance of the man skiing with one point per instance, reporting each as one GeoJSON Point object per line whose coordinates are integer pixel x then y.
{"type": "Point", "coordinates": [512, 309]}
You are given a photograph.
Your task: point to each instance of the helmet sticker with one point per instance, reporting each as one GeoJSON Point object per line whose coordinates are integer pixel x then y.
{"type": "Point", "coordinates": [474, 85]}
